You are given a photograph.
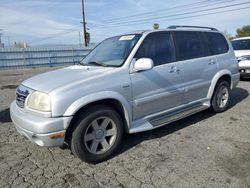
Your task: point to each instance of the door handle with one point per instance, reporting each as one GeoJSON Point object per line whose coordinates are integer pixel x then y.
{"type": "Point", "coordinates": [211, 62]}
{"type": "Point", "coordinates": [174, 69]}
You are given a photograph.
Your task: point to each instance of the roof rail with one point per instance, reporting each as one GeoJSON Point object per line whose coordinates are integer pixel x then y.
{"type": "Point", "coordinates": [198, 27]}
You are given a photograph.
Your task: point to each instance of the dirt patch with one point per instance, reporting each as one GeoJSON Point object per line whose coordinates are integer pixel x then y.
{"type": "Point", "coordinates": [237, 165]}
{"type": "Point", "coordinates": [9, 87]}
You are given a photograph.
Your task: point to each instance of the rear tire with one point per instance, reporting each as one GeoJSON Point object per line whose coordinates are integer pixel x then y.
{"type": "Point", "coordinates": [221, 97]}
{"type": "Point", "coordinates": [97, 135]}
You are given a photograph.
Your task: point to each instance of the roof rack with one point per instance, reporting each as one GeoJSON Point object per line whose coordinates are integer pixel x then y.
{"type": "Point", "coordinates": [198, 27]}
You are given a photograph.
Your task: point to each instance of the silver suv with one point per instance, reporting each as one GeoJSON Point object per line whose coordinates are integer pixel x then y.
{"type": "Point", "coordinates": [127, 84]}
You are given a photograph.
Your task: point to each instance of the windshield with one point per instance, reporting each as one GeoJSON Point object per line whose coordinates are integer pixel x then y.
{"type": "Point", "coordinates": [243, 44]}
{"type": "Point", "coordinates": [112, 51]}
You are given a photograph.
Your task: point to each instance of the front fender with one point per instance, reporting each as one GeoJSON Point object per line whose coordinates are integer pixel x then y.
{"type": "Point", "coordinates": [83, 101]}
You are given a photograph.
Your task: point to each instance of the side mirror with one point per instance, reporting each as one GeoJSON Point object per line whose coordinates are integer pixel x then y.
{"type": "Point", "coordinates": [143, 64]}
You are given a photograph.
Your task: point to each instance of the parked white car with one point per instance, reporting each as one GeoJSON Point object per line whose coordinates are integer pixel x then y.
{"type": "Point", "coordinates": [242, 52]}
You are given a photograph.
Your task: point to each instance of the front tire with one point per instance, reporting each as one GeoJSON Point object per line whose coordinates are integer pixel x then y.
{"type": "Point", "coordinates": [221, 97]}
{"type": "Point", "coordinates": [97, 134]}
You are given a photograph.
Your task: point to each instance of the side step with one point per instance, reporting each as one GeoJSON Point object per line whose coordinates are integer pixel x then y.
{"type": "Point", "coordinates": [176, 115]}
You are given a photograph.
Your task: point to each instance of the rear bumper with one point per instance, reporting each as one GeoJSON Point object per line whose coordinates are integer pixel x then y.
{"type": "Point", "coordinates": [235, 80]}
{"type": "Point", "coordinates": [39, 130]}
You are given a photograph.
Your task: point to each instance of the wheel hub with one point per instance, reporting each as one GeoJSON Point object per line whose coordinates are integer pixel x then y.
{"type": "Point", "coordinates": [222, 97]}
{"type": "Point", "coordinates": [99, 134]}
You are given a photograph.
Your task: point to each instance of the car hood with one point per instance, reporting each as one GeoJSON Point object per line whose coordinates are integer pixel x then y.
{"type": "Point", "coordinates": [239, 53]}
{"type": "Point", "coordinates": [49, 81]}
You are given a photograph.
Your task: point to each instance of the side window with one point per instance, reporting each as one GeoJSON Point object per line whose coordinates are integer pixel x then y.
{"type": "Point", "coordinates": [217, 43]}
{"type": "Point", "coordinates": [189, 45]}
{"type": "Point", "coordinates": [157, 46]}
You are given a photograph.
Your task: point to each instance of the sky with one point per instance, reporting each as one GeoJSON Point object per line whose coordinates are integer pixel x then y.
{"type": "Point", "coordinates": [58, 21]}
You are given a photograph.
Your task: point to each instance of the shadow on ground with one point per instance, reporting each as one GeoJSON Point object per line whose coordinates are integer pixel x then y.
{"type": "Point", "coordinates": [238, 95]}
{"type": "Point", "coordinates": [9, 87]}
{"type": "Point", "coordinates": [245, 79]}
{"type": "Point", "coordinates": [5, 116]}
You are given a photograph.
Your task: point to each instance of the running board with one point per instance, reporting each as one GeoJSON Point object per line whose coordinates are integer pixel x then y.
{"type": "Point", "coordinates": [176, 115]}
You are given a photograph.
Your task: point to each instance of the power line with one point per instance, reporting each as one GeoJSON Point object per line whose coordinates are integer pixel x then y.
{"type": "Point", "coordinates": [153, 12]}
{"type": "Point", "coordinates": [174, 15]}
{"type": "Point", "coordinates": [55, 35]}
{"type": "Point", "coordinates": [206, 14]}
{"type": "Point", "coordinates": [167, 11]}
{"type": "Point", "coordinates": [159, 18]}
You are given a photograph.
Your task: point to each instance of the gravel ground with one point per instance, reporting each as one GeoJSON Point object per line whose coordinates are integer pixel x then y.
{"type": "Point", "coordinates": [203, 150]}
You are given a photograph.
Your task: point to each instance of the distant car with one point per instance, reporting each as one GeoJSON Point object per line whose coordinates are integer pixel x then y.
{"type": "Point", "coordinates": [133, 83]}
{"type": "Point", "coordinates": [242, 52]}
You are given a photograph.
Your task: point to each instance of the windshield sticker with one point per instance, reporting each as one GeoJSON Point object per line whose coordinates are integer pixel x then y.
{"type": "Point", "coordinates": [127, 37]}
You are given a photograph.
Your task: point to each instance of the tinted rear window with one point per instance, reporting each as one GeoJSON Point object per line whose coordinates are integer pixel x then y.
{"type": "Point", "coordinates": [189, 45]}
{"type": "Point", "coordinates": [243, 44]}
{"type": "Point", "coordinates": [217, 43]}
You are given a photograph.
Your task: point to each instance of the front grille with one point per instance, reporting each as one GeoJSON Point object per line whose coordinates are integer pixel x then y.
{"type": "Point", "coordinates": [21, 95]}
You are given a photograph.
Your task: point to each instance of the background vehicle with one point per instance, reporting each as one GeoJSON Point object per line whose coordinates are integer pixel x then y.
{"type": "Point", "coordinates": [242, 52]}
{"type": "Point", "coordinates": [129, 83]}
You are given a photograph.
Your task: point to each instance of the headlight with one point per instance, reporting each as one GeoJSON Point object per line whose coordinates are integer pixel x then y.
{"type": "Point", "coordinates": [39, 101]}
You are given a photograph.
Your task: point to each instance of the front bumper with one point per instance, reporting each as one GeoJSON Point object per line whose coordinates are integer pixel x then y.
{"type": "Point", "coordinates": [39, 130]}
{"type": "Point", "coordinates": [244, 68]}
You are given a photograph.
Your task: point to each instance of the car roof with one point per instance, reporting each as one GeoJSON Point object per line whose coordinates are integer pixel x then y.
{"type": "Point", "coordinates": [159, 30]}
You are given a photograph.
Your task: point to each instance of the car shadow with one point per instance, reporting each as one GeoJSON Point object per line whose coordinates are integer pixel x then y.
{"type": "Point", "coordinates": [132, 140]}
{"type": "Point", "coordinates": [245, 79]}
{"type": "Point", "coordinates": [5, 116]}
{"type": "Point", "coordinates": [237, 95]}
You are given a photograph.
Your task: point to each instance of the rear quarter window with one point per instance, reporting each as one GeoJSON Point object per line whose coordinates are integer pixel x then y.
{"type": "Point", "coordinates": [217, 43]}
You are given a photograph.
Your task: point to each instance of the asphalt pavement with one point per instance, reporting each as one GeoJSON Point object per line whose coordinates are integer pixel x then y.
{"type": "Point", "coordinates": [203, 150]}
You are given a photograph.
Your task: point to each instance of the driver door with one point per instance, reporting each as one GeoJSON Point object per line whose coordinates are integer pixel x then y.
{"type": "Point", "coordinates": [157, 89]}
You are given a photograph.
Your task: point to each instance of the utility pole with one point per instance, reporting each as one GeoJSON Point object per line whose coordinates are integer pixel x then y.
{"type": "Point", "coordinates": [84, 25]}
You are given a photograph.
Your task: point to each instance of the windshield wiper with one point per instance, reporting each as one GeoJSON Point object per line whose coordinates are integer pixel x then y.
{"type": "Point", "coordinates": [96, 63]}
{"type": "Point", "coordinates": [79, 63]}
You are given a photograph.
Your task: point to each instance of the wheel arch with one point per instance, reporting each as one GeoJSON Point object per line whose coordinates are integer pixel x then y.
{"type": "Point", "coordinates": [112, 99]}
{"type": "Point", "coordinates": [221, 75]}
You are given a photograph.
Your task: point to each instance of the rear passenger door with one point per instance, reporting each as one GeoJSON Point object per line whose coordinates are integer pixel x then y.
{"type": "Point", "coordinates": [198, 66]}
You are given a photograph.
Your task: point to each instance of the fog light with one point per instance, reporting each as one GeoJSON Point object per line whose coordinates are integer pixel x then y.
{"type": "Point", "coordinates": [57, 135]}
